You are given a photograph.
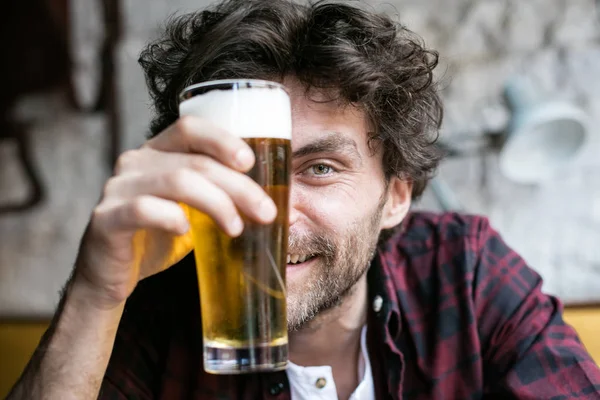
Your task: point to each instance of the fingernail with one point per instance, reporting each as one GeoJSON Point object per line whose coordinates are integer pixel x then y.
{"type": "Point", "coordinates": [236, 226]}
{"type": "Point", "coordinates": [267, 210]}
{"type": "Point", "coordinates": [244, 158]}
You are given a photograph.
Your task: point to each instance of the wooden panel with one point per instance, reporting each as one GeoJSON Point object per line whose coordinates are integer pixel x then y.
{"type": "Point", "coordinates": [586, 322]}
{"type": "Point", "coordinates": [17, 343]}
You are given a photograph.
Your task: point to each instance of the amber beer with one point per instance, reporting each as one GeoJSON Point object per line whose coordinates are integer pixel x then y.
{"type": "Point", "coordinates": [242, 280]}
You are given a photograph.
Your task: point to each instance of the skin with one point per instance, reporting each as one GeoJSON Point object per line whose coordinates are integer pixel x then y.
{"type": "Point", "coordinates": [349, 201]}
{"type": "Point", "coordinates": [338, 195]}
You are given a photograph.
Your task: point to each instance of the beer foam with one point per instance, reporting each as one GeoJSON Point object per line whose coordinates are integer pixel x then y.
{"type": "Point", "coordinates": [244, 112]}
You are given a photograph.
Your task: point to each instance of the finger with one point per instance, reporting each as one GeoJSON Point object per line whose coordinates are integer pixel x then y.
{"type": "Point", "coordinates": [247, 195]}
{"type": "Point", "coordinates": [144, 212]}
{"type": "Point", "coordinates": [184, 186]}
{"type": "Point", "coordinates": [195, 135]}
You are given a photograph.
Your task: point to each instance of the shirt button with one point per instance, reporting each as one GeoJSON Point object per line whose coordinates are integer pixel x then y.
{"type": "Point", "coordinates": [377, 303]}
{"type": "Point", "coordinates": [276, 389]}
{"type": "Point", "coordinates": [320, 383]}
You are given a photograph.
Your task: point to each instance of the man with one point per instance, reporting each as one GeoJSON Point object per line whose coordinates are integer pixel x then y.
{"type": "Point", "coordinates": [405, 304]}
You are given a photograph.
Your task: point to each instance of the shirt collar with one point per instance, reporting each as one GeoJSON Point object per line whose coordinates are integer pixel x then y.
{"type": "Point", "coordinates": [384, 320]}
{"type": "Point", "coordinates": [382, 296]}
{"type": "Point", "coordinates": [302, 379]}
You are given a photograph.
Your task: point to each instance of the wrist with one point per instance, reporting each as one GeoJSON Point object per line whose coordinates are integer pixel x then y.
{"type": "Point", "coordinates": [84, 295]}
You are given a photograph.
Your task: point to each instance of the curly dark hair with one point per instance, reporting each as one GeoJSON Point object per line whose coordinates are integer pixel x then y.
{"type": "Point", "coordinates": [357, 56]}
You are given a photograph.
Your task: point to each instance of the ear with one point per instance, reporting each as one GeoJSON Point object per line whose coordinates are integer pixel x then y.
{"type": "Point", "coordinates": [398, 202]}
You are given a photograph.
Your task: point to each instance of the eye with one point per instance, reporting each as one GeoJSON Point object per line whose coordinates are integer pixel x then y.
{"type": "Point", "coordinates": [321, 169]}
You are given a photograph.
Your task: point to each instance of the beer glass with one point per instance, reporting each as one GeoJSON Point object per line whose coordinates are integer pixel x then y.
{"type": "Point", "coordinates": [242, 280]}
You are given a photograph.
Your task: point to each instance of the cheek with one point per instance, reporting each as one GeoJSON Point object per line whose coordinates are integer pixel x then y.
{"type": "Point", "coordinates": [328, 208]}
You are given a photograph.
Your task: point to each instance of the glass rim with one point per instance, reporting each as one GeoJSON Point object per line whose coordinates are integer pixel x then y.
{"type": "Point", "coordinates": [188, 92]}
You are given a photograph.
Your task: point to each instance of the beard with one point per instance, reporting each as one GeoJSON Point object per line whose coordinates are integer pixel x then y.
{"type": "Point", "coordinates": [342, 260]}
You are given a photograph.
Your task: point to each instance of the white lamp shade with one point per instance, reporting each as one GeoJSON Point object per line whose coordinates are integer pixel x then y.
{"type": "Point", "coordinates": [543, 137]}
{"type": "Point", "coordinates": [542, 141]}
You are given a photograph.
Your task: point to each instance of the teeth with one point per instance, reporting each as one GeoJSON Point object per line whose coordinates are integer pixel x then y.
{"type": "Point", "coordinates": [297, 258]}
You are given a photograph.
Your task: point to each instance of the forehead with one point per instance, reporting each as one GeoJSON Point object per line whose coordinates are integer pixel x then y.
{"type": "Point", "coordinates": [314, 115]}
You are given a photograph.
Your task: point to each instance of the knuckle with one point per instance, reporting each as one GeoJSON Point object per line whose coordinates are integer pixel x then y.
{"type": "Point", "coordinates": [139, 208]}
{"type": "Point", "coordinates": [179, 179]}
{"type": "Point", "coordinates": [185, 124]}
{"type": "Point", "coordinates": [126, 160]}
{"type": "Point", "coordinates": [200, 163]}
{"type": "Point", "coordinates": [98, 212]}
{"type": "Point", "coordinates": [110, 187]}
{"type": "Point", "coordinates": [98, 220]}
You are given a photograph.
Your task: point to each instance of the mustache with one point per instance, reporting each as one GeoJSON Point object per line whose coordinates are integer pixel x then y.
{"type": "Point", "coordinates": [311, 244]}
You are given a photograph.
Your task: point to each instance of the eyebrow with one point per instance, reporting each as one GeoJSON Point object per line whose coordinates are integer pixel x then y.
{"type": "Point", "coordinates": [333, 142]}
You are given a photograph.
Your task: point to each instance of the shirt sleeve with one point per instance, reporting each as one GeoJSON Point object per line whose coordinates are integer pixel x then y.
{"type": "Point", "coordinates": [529, 352]}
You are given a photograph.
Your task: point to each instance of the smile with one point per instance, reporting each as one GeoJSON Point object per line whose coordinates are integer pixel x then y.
{"type": "Point", "coordinates": [299, 258]}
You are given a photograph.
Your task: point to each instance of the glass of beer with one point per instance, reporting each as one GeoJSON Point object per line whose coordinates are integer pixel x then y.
{"type": "Point", "coordinates": [242, 279]}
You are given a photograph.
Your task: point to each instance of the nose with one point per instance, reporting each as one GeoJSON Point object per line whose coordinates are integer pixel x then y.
{"type": "Point", "coordinates": [293, 215]}
{"type": "Point", "coordinates": [293, 206]}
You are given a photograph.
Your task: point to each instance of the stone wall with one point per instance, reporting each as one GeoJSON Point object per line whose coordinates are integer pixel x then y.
{"type": "Point", "coordinates": [38, 246]}
{"type": "Point", "coordinates": [554, 43]}
{"type": "Point", "coordinates": [482, 43]}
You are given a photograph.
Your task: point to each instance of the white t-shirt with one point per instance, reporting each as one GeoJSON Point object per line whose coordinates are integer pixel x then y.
{"type": "Point", "coordinates": [316, 383]}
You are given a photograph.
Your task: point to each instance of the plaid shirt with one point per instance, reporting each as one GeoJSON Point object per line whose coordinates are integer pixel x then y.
{"type": "Point", "coordinates": [463, 317]}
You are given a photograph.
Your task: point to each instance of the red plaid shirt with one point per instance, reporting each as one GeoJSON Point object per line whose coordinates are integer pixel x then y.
{"type": "Point", "coordinates": [463, 317]}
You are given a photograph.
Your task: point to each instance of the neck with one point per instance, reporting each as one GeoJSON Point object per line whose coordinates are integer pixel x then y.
{"type": "Point", "coordinates": [313, 345]}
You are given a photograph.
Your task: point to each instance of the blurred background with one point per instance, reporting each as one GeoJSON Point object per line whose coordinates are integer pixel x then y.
{"type": "Point", "coordinates": [73, 97]}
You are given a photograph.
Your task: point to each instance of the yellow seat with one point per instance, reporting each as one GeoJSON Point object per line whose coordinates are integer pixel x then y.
{"type": "Point", "coordinates": [586, 322]}
{"type": "Point", "coordinates": [18, 340]}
